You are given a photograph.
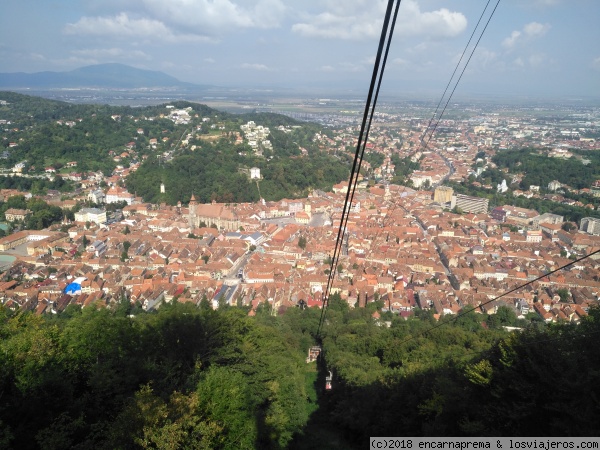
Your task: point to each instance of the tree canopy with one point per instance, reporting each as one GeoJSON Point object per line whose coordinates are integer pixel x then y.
{"type": "Point", "coordinates": [189, 377]}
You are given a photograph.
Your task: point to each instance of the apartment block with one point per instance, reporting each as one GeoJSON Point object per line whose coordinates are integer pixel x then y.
{"type": "Point", "coordinates": [473, 205]}
{"type": "Point", "coordinates": [590, 225]}
{"type": "Point", "coordinates": [443, 194]}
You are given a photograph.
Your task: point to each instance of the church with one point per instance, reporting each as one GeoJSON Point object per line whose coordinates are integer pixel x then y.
{"type": "Point", "coordinates": [218, 214]}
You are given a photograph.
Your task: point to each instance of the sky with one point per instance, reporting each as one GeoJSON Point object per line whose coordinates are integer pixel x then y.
{"type": "Point", "coordinates": [545, 48]}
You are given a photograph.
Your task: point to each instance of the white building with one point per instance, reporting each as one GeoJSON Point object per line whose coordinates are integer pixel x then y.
{"type": "Point", "coordinates": [419, 180]}
{"type": "Point", "coordinates": [255, 173]}
{"type": "Point", "coordinates": [502, 187]}
{"type": "Point", "coordinates": [116, 194]}
{"type": "Point", "coordinates": [97, 196]}
{"type": "Point", "coordinates": [554, 185]}
{"type": "Point", "coordinates": [95, 215]}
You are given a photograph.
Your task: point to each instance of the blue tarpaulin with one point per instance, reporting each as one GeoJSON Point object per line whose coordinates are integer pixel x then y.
{"type": "Point", "coordinates": [73, 288]}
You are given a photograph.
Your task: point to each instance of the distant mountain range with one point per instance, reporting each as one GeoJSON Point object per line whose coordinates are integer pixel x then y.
{"type": "Point", "coordinates": [97, 76]}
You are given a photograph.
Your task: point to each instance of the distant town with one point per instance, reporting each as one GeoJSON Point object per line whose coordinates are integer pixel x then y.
{"type": "Point", "coordinates": [419, 245]}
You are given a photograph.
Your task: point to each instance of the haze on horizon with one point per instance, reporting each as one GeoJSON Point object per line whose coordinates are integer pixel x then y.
{"type": "Point", "coordinates": [545, 48]}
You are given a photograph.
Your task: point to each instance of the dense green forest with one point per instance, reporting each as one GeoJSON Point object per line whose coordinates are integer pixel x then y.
{"type": "Point", "coordinates": [539, 169]}
{"type": "Point", "coordinates": [44, 139]}
{"type": "Point", "coordinates": [219, 170]}
{"type": "Point", "coordinates": [189, 377]}
{"type": "Point", "coordinates": [181, 378]}
{"type": "Point", "coordinates": [37, 186]}
{"type": "Point", "coordinates": [410, 380]}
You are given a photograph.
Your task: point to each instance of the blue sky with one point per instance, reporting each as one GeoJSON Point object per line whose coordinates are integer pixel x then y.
{"type": "Point", "coordinates": [531, 47]}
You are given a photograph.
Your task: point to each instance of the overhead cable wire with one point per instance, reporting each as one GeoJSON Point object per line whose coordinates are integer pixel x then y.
{"type": "Point", "coordinates": [360, 148]}
{"type": "Point", "coordinates": [454, 73]}
{"type": "Point", "coordinates": [354, 170]}
{"type": "Point", "coordinates": [368, 129]}
{"type": "Point", "coordinates": [461, 74]}
{"type": "Point", "coordinates": [378, 69]}
{"type": "Point", "coordinates": [455, 318]}
{"type": "Point", "coordinates": [395, 203]}
{"type": "Point", "coordinates": [354, 181]}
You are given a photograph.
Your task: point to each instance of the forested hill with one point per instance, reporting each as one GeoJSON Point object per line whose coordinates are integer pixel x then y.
{"type": "Point", "coordinates": [29, 110]}
{"type": "Point", "coordinates": [189, 147]}
{"type": "Point", "coordinates": [190, 377]}
{"type": "Point", "coordinates": [539, 168]}
{"type": "Point", "coordinates": [47, 133]}
{"type": "Point", "coordinates": [215, 165]}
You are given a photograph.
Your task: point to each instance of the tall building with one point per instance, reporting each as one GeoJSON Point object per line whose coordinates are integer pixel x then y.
{"type": "Point", "coordinates": [475, 205]}
{"type": "Point", "coordinates": [443, 194]}
{"type": "Point", "coordinates": [192, 212]}
{"type": "Point", "coordinates": [590, 225]}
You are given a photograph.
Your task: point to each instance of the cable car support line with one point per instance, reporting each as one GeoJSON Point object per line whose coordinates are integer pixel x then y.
{"type": "Point", "coordinates": [387, 32]}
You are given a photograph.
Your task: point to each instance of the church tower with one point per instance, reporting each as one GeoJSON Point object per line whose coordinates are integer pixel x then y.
{"type": "Point", "coordinates": [192, 212]}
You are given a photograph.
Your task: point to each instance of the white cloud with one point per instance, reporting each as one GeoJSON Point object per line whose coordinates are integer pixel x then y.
{"type": "Point", "coordinates": [327, 69]}
{"type": "Point", "coordinates": [120, 25]}
{"type": "Point", "coordinates": [511, 41]}
{"type": "Point", "coordinates": [254, 66]}
{"type": "Point", "coordinates": [268, 13]}
{"type": "Point", "coordinates": [353, 6]}
{"type": "Point", "coordinates": [123, 27]}
{"type": "Point", "coordinates": [596, 63]}
{"type": "Point", "coordinates": [535, 29]}
{"type": "Point", "coordinates": [209, 60]}
{"type": "Point", "coordinates": [103, 53]}
{"type": "Point", "coordinates": [331, 26]}
{"type": "Point", "coordinates": [361, 19]}
{"type": "Point", "coordinates": [217, 15]}
{"type": "Point", "coordinates": [434, 24]}
{"type": "Point", "coordinates": [530, 31]}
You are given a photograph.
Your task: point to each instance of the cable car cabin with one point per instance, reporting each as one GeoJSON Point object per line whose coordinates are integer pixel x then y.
{"type": "Point", "coordinates": [328, 380]}
{"type": "Point", "coordinates": [313, 353]}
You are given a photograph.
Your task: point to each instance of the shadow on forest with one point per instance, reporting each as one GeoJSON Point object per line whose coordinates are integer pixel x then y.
{"type": "Point", "coordinates": [321, 432]}
{"type": "Point", "coordinates": [537, 383]}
